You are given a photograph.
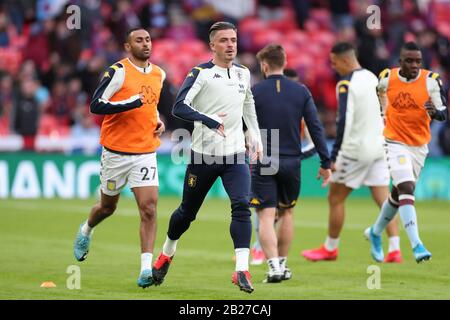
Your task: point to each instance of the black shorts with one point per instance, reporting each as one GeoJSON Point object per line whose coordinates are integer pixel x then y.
{"type": "Point", "coordinates": [276, 190]}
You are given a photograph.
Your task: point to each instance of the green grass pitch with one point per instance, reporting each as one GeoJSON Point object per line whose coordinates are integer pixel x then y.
{"type": "Point", "coordinates": [37, 236]}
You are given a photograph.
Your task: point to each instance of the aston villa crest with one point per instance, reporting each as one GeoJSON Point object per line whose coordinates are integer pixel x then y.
{"type": "Point", "coordinates": [239, 74]}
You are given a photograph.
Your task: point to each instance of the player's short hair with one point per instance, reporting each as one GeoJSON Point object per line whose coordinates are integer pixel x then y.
{"type": "Point", "coordinates": [221, 25]}
{"type": "Point", "coordinates": [130, 31]}
{"type": "Point", "coordinates": [273, 54]}
{"type": "Point", "coordinates": [410, 46]}
{"type": "Point", "coordinates": [342, 47]}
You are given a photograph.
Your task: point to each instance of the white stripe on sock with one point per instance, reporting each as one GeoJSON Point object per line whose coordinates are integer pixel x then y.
{"type": "Point", "coordinates": [242, 255]}
{"type": "Point", "coordinates": [406, 197]}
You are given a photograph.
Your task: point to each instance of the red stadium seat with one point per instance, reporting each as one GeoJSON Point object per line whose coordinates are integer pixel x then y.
{"type": "Point", "coordinates": [263, 37]}
{"type": "Point", "coordinates": [193, 47]}
{"type": "Point", "coordinates": [4, 126]}
{"type": "Point", "coordinates": [296, 37]}
{"type": "Point", "coordinates": [322, 18]}
{"type": "Point", "coordinates": [251, 25]}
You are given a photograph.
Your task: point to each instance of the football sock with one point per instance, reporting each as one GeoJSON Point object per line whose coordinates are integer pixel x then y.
{"type": "Point", "coordinates": [388, 211]}
{"type": "Point", "coordinates": [394, 243]}
{"type": "Point", "coordinates": [146, 261]}
{"type": "Point", "coordinates": [274, 265]}
{"type": "Point", "coordinates": [409, 218]}
{"type": "Point", "coordinates": [170, 246]}
{"type": "Point", "coordinates": [86, 230]}
{"type": "Point", "coordinates": [331, 243]}
{"type": "Point", "coordinates": [283, 262]}
{"type": "Point", "coordinates": [242, 258]}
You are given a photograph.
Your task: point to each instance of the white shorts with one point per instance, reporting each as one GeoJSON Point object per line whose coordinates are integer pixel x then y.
{"type": "Point", "coordinates": [354, 173]}
{"type": "Point", "coordinates": [138, 170]}
{"type": "Point", "coordinates": [405, 162]}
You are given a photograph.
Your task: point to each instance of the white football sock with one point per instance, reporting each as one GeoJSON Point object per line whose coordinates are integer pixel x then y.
{"type": "Point", "coordinates": [283, 262]}
{"type": "Point", "coordinates": [331, 243]}
{"type": "Point", "coordinates": [409, 219]}
{"type": "Point", "coordinates": [146, 260]}
{"type": "Point", "coordinates": [170, 246]}
{"type": "Point", "coordinates": [394, 243]}
{"type": "Point", "coordinates": [242, 255]}
{"type": "Point", "coordinates": [274, 265]}
{"type": "Point", "coordinates": [86, 230]}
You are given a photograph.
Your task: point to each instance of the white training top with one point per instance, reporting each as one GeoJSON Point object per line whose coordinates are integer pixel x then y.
{"type": "Point", "coordinates": [360, 124]}
{"type": "Point", "coordinates": [210, 90]}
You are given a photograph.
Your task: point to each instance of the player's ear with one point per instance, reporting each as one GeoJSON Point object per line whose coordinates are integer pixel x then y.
{"type": "Point", "coordinates": [127, 46]}
{"type": "Point", "coordinates": [211, 46]}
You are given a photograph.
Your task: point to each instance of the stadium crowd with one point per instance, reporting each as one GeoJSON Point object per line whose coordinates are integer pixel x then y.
{"type": "Point", "coordinates": [48, 72]}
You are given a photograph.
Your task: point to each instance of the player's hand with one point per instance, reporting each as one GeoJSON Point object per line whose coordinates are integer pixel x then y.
{"type": "Point", "coordinates": [256, 152]}
{"type": "Point", "coordinates": [325, 174]}
{"type": "Point", "coordinates": [333, 166]}
{"type": "Point", "coordinates": [221, 129]}
{"type": "Point", "coordinates": [141, 97]}
{"type": "Point", "coordinates": [160, 128]}
{"type": "Point", "coordinates": [430, 107]}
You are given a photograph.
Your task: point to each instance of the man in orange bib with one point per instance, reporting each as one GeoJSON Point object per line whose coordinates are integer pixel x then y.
{"type": "Point", "coordinates": [128, 96]}
{"type": "Point", "coordinates": [411, 98]}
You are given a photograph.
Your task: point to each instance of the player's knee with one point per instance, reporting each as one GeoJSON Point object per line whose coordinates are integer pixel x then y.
{"type": "Point", "coordinates": [241, 216]}
{"type": "Point", "coordinates": [394, 194]}
{"type": "Point", "coordinates": [107, 209]}
{"type": "Point", "coordinates": [334, 199]}
{"type": "Point", "coordinates": [187, 212]}
{"type": "Point", "coordinates": [285, 212]}
{"type": "Point", "coordinates": [406, 188]}
{"type": "Point", "coordinates": [148, 211]}
{"type": "Point", "coordinates": [240, 204]}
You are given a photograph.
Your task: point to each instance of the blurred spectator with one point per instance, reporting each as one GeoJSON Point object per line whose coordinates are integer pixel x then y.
{"type": "Point", "coordinates": [59, 106]}
{"type": "Point", "coordinates": [301, 9]}
{"type": "Point", "coordinates": [444, 138]}
{"type": "Point", "coordinates": [91, 74]}
{"type": "Point", "coordinates": [234, 10]}
{"type": "Point", "coordinates": [48, 9]}
{"type": "Point", "coordinates": [84, 135]}
{"type": "Point", "coordinates": [26, 112]}
{"type": "Point", "coordinates": [38, 47]}
{"type": "Point", "coordinates": [122, 19]}
{"type": "Point", "coordinates": [6, 97]}
{"type": "Point", "coordinates": [203, 14]}
{"type": "Point", "coordinates": [153, 17]}
{"type": "Point", "coordinates": [4, 32]}
{"type": "Point", "coordinates": [66, 43]}
{"type": "Point", "coordinates": [340, 11]}
{"type": "Point", "coordinates": [270, 9]}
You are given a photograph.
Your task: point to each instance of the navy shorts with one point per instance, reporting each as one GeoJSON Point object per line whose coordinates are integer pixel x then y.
{"type": "Point", "coordinates": [278, 190]}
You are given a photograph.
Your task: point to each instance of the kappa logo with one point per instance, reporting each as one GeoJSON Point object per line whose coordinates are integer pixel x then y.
{"type": "Point", "coordinates": [148, 94]}
{"type": "Point", "coordinates": [192, 180]}
{"type": "Point", "coordinates": [404, 100]}
{"type": "Point", "coordinates": [216, 76]}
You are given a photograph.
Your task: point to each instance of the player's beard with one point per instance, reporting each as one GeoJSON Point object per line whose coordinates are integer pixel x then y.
{"type": "Point", "coordinates": [141, 55]}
